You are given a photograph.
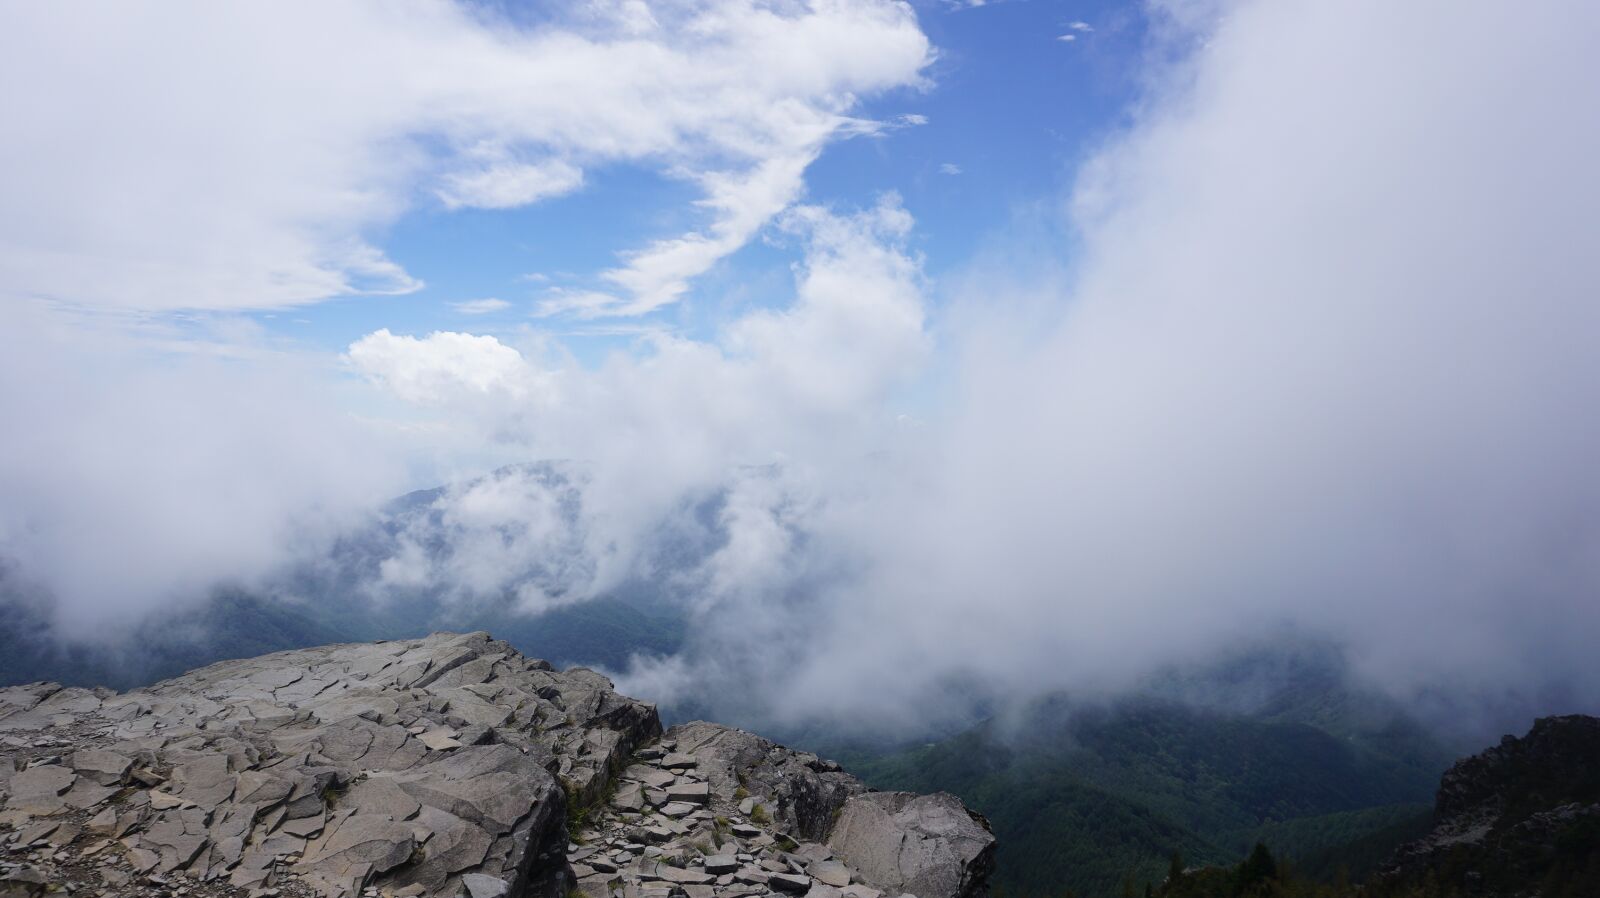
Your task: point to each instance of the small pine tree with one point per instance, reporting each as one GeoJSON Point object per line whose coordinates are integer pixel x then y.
{"type": "Point", "coordinates": [1259, 867]}
{"type": "Point", "coordinates": [1175, 867]}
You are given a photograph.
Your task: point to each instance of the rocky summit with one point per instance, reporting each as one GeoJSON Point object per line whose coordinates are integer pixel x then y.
{"type": "Point", "coordinates": [447, 766]}
{"type": "Point", "coordinates": [1520, 819]}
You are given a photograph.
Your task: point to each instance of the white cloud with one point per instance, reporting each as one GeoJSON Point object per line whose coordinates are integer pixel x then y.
{"type": "Point", "coordinates": [1325, 362]}
{"type": "Point", "coordinates": [442, 366]}
{"type": "Point", "coordinates": [1080, 26]}
{"type": "Point", "coordinates": [480, 306]}
{"type": "Point", "coordinates": [1324, 365]}
{"type": "Point", "coordinates": [1067, 38]}
{"type": "Point", "coordinates": [505, 185]}
{"type": "Point", "coordinates": [224, 157]}
{"type": "Point", "coordinates": [949, 168]}
{"type": "Point", "coordinates": [740, 204]}
{"type": "Point", "coordinates": [667, 425]}
{"type": "Point", "coordinates": [516, 531]}
{"type": "Point", "coordinates": [143, 465]}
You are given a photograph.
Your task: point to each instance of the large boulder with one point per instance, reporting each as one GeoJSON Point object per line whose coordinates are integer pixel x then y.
{"type": "Point", "coordinates": [926, 845]}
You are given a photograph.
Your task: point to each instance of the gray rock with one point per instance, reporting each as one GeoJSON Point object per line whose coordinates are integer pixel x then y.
{"type": "Point", "coordinates": [103, 767]}
{"type": "Point", "coordinates": [928, 845]}
{"type": "Point", "coordinates": [831, 872]}
{"type": "Point", "coordinates": [799, 791]}
{"type": "Point", "coordinates": [482, 886]}
{"type": "Point", "coordinates": [629, 797]}
{"type": "Point", "coordinates": [48, 781]}
{"type": "Point", "coordinates": [381, 795]}
{"type": "Point", "coordinates": [794, 883]}
{"type": "Point", "coordinates": [693, 793]}
{"type": "Point", "coordinates": [441, 768]}
{"type": "Point", "coordinates": [307, 761]}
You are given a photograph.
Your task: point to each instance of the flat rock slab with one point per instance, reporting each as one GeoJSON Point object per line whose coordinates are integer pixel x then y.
{"type": "Point", "coordinates": [482, 886]}
{"type": "Point", "coordinates": [693, 793]}
{"type": "Point", "coordinates": [831, 872]}
{"type": "Point", "coordinates": [793, 883]}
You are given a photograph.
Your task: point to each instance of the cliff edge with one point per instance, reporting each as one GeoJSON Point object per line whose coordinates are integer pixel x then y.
{"type": "Point", "coordinates": [448, 766]}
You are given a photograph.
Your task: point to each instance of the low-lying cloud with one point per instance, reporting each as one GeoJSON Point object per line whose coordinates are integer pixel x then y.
{"type": "Point", "coordinates": [1319, 361]}
{"type": "Point", "coordinates": [1323, 364]}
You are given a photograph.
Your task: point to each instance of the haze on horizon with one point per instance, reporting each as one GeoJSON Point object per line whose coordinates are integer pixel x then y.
{"type": "Point", "coordinates": [1286, 326]}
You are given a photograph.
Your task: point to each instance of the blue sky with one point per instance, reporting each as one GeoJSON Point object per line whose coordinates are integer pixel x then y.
{"type": "Point", "coordinates": [1011, 109]}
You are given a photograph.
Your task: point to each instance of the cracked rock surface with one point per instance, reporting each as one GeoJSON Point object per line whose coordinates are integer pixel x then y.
{"type": "Point", "coordinates": [438, 766]}
{"type": "Point", "coordinates": [714, 812]}
{"type": "Point", "coordinates": [449, 766]}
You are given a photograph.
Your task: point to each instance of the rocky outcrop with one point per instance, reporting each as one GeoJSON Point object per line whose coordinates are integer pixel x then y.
{"type": "Point", "coordinates": [429, 767]}
{"type": "Point", "coordinates": [448, 766]}
{"type": "Point", "coordinates": [1520, 819]}
{"type": "Point", "coordinates": [800, 792]}
{"type": "Point", "coordinates": [715, 812]}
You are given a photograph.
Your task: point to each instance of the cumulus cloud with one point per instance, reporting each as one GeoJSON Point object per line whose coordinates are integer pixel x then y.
{"type": "Point", "coordinates": [441, 366]}
{"type": "Point", "coordinates": [214, 157]}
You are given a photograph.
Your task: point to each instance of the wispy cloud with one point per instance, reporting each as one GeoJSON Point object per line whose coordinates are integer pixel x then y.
{"type": "Point", "coordinates": [480, 306]}
{"type": "Point", "coordinates": [258, 177]}
{"type": "Point", "coordinates": [949, 168]}
{"type": "Point", "coordinates": [506, 185]}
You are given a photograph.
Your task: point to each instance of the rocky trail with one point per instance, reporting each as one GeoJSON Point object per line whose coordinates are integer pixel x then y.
{"type": "Point", "coordinates": [448, 766]}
